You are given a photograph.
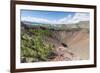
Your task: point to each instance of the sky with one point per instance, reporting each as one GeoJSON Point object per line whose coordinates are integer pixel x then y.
{"type": "Point", "coordinates": [53, 17]}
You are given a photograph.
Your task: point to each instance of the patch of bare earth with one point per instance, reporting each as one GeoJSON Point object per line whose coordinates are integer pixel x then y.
{"type": "Point", "coordinates": [64, 55]}
{"type": "Point", "coordinates": [78, 48]}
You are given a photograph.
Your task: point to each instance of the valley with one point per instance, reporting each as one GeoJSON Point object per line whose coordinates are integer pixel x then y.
{"type": "Point", "coordinates": [59, 42]}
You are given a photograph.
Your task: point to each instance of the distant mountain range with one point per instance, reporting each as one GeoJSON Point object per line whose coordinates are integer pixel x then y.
{"type": "Point", "coordinates": [32, 23]}
{"type": "Point", "coordinates": [81, 24]}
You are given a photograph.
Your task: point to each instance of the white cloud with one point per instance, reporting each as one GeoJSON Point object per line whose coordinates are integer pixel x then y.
{"type": "Point", "coordinates": [76, 18]}
{"type": "Point", "coordinates": [32, 19]}
{"type": "Point", "coordinates": [66, 20]}
{"type": "Point", "coordinates": [81, 17]}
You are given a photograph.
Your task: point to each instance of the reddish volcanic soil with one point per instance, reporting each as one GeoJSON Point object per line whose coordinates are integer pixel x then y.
{"type": "Point", "coordinates": [78, 47]}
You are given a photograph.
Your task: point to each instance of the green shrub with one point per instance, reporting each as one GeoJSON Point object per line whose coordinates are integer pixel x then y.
{"type": "Point", "coordinates": [32, 46]}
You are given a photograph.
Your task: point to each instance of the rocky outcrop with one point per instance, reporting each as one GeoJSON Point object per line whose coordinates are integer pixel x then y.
{"type": "Point", "coordinates": [64, 55]}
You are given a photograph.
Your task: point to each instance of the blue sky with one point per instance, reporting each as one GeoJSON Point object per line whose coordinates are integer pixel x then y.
{"type": "Point", "coordinates": [50, 15]}
{"type": "Point", "coordinates": [53, 17]}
